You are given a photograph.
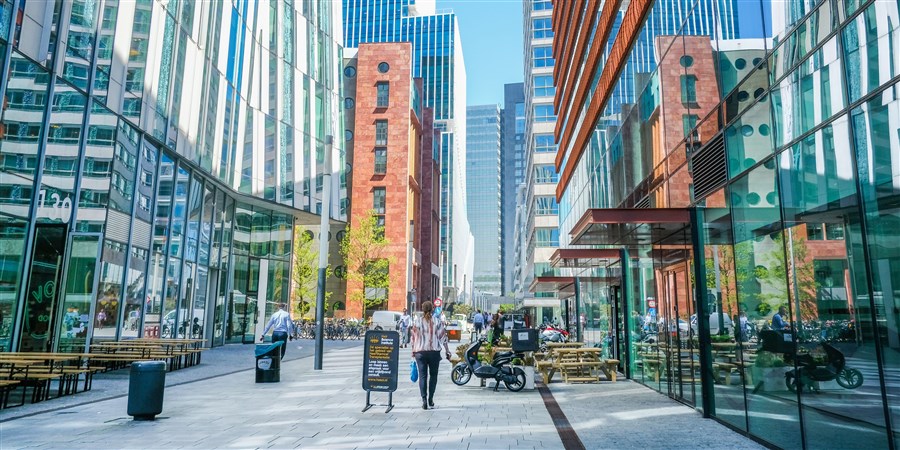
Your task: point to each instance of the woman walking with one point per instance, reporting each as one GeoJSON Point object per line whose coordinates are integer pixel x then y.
{"type": "Point", "coordinates": [428, 335]}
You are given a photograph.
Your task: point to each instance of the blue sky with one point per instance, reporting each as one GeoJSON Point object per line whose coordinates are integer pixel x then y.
{"type": "Point", "coordinates": [491, 33]}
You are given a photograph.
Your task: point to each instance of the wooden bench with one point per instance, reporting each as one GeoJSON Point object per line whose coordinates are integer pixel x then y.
{"type": "Point", "coordinates": [7, 386]}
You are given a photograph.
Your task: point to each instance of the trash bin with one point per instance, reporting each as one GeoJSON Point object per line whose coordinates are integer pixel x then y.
{"type": "Point", "coordinates": [146, 384]}
{"type": "Point", "coordinates": [268, 362]}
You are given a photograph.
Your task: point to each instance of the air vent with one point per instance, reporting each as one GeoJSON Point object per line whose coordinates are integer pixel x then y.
{"type": "Point", "coordinates": [708, 167]}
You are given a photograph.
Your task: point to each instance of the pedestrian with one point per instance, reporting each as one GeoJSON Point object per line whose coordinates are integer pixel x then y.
{"type": "Point", "coordinates": [478, 320]}
{"type": "Point", "coordinates": [428, 336]}
{"type": "Point", "coordinates": [778, 322]}
{"type": "Point", "coordinates": [282, 327]}
{"type": "Point", "coordinates": [405, 321]}
{"type": "Point", "coordinates": [497, 323]}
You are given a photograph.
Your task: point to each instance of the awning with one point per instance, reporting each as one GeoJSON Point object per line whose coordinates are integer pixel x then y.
{"type": "Point", "coordinates": [632, 226]}
{"type": "Point", "coordinates": [583, 258]}
{"type": "Point", "coordinates": [563, 286]}
{"type": "Point", "coordinates": [541, 303]}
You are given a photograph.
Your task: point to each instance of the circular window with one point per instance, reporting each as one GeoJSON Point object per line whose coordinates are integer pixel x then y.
{"type": "Point", "coordinates": [756, 61]}
{"type": "Point", "coordinates": [743, 96]}
{"type": "Point", "coordinates": [383, 67]}
{"type": "Point", "coordinates": [340, 235]}
{"type": "Point", "coordinates": [740, 63]}
{"type": "Point", "coordinates": [349, 103]}
{"type": "Point", "coordinates": [687, 61]}
{"type": "Point", "coordinates": [764, 130]}
{"type": "Point", "coordinates": [769, 164]}
{"type": "Point", "coordinates": [749, 162]}
{"type": "Point", "coordinates": [340, 272]}
{"type": "Point", "coordinates": [759, 93]}
{"type": "Point", "coordinates": [348, 135]}
{"type": "Point", "coordinates": [772, 198]}
{"type": "Point", "coordinates": [747, 130]}
{"type": "Point", "coordinates": [735, 199]}
{"type": "Point", "coordinates": [349, 71]}
{"type": "Point", "coordinates": [753, 198]}
{"type": "Point", "coordinates": [309, 234]}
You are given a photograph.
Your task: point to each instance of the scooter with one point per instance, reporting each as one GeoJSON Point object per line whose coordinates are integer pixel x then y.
{"type": "Point", "coordinates": [552, 334]}
{"type": "Point", "coordinates": [808, 373]}
{"type": "Point", "coordinates": [498, 370]}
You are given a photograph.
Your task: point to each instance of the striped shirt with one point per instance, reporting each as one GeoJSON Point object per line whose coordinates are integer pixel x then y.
{"type": "Point", "coordinates": [428, 335]}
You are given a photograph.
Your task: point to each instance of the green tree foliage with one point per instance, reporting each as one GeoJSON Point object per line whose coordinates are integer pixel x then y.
{"type": "Point", "coordinates": [461, 308]}
{"type": "Point", "coordinates": [364, 249]}
{"type": "Point", "coordinates": [305, 273]}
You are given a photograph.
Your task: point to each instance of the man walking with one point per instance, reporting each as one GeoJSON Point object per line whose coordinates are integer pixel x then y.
{"type": "Point", "coordinates": [282, 326]}
{"type": "Point", "coordinates": [478, 321]}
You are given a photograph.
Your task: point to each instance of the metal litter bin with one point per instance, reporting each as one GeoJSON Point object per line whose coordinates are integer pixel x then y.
{"type": "Point", "coordinates": [268, 362]}
{"type": "Point", "coordinates": [146, 385]}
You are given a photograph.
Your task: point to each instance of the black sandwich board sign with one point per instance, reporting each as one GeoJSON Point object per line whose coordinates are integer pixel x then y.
{"type": "Point", "coordinates": [380, 365]}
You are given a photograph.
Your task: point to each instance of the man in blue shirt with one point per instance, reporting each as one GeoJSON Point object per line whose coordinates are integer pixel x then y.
{"type": "Point", "coordinates": [778, 322]}
{"type": "Point", "coordinates": [282, 326]}
{"type": "Point", "coordinates": [478, 321]}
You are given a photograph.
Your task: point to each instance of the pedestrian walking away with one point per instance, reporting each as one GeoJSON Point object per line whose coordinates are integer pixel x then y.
{"type": "Point", "coordinates": [478, 320]}
{"type": "Point", "coordinates": [404, 323]}
{"type": "Point", "coordinates": [428, 336]}
{"type": "Point", "coordinates": [282, 327]}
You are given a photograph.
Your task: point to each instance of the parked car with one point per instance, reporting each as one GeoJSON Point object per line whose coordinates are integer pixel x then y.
{"type": "Point", "coordinates": [385, 320]}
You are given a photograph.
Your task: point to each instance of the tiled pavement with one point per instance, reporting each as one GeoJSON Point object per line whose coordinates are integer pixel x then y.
{"type": "Point", "coordinates": [322, 409]}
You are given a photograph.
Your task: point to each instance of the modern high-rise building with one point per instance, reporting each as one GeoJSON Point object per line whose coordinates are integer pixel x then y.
{"type": "Point", "coordinates": [512, 173]}
{"type": "Point", "coordinates": [154, 160]}
{"type": "Point", "coordinates": [728, 188]}
{"type": "Point", "coordinates": [542, 220]}
{"type": "Point", "coordinates": [391, 143]}
{"type": "Point", "coordinates": [484, 182]}
{"type": "Point", "coordinates": [438, 60]}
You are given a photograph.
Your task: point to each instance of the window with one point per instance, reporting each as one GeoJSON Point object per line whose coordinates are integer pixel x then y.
{"type": "Point", "coordinates": [542, 5]}
{"type": "Point", "coordinates": [545, 173]}
{"type": "Point", "coordinates": [545, 205]}
{"type": "Point", "coordinates": [544, 143]}
{"type": "Point", "coordinates": [383, 67]}
{"type": "Point", "coordinates": [546, 237]}
{"type": "Point", "coordinates": [689, 122]}
{"type": "Point", "coordinates": [349, 103]}
{"type": "Point", "coordinates": [349, 71]}
{"type": "Point", "coordinates": [688, 89]}
{"type": "Point", "coordinates": [543, 86]}
{"type": "Point", "coordinates": [542, 28]}
{"type": "Point", "coordinates": [543, 56]}
{"type": "Point", "coordinates": [544, 113]}
{"type": "Point", "coordinates": [381, 132]}
{"type": "Point", "coordinates": [383, 93]}
{"type": "Point", "coordinates": [378, 203]}
{"type": "Point", "coordinates": [380, 160]}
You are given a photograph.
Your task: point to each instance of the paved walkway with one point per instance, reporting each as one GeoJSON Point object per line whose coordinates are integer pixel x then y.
{"type": "Point", "coordinates": [322, 409]}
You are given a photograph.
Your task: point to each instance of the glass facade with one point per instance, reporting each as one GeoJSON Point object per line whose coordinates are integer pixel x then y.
{"type": "Point", "coordinates": [148, 183]}
{"type": "Point", "coordinates": [512, 175]}
{"type": "Point", "coordinates": [483, 176]}
{"type": "Point", "coordinates": [774, 307]}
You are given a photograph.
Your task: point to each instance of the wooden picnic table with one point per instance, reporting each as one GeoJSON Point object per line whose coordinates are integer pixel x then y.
{"type": "Point", "coordinates": [582, 364]}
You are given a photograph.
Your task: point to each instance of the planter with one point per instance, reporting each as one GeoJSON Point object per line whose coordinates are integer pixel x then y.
{"type": "Point", "coordinates": [769, 379]}
{"type": "Point", "coordinates": [529, 376]}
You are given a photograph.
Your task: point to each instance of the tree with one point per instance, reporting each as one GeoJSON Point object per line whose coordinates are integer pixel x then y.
{"type": "Point", "coordinates": [305, 272]}
{"type": "Point", "coordinates": [364, 249]}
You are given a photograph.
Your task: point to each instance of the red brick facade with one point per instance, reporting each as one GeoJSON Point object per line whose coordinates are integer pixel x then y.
{"type": "Point", "coordinates": [403, 180]}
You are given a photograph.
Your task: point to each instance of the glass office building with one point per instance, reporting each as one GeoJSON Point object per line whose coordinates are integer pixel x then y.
{"type": "Point", "coordinates": [729, 224]}
{"type": "Point", "coordinates": [484, 181]}
{"type": "Point", "coordinates": [155, 157]}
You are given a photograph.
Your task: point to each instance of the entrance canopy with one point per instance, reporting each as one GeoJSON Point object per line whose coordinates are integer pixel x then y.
{"type": "Point", "coordinates": [583, 258]}
{"type": "Point", "coordinates": [623, 227]}
{"type": "Point", "coordinates": [565, 286]}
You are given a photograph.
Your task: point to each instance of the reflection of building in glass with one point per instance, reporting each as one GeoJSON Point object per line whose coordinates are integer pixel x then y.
{"type": "Point", "coordinates": [710, 176]}
{"type": "Point", "coordinates": [154, 160]}
{"type": "Point", "coordinates": [483, 177]}
{"type": "Point", "coordinates": [512, 174]}
{"type": "Point", "coordinates": [438, 60]}
{"type": "Point", "coordinates": [393, 152]}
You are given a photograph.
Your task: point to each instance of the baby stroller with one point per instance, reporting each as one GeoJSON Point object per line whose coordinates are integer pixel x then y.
{"type": "Point", "coordinates": [809, 372]}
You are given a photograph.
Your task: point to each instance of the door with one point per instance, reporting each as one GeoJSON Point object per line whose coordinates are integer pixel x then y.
{"type": "Point", "coordinates": [618, 347]}
{"type": "Point", "coordinates": [41, 295]}
{"type": "Point", "coordinates": [683, 357]}
{"type": "Point", "coordinates": [78, 295]}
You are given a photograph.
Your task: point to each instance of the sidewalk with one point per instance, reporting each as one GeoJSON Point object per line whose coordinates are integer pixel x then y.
{"type": "Point", "coordinates": [322, 409]}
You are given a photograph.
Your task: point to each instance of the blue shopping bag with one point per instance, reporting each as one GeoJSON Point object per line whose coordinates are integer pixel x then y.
{"type": "Point", "coordinates": [413, 371]}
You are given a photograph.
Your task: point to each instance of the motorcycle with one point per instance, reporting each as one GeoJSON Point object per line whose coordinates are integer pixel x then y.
{"type": "Point", "coordinates": [809, 373]}
{"type": "Point", "coordinates": [498, 370]}
{"type": "Point", "coordinates": [552, 334]}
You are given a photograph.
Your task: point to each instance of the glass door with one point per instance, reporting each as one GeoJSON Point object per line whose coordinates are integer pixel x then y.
{"type": "Point", "coordinates": [78, 295]}
{"type": "Point", "coordinates": [43, 280]}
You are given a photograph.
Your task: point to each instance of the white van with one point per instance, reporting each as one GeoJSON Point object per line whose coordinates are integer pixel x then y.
{"type": "Point", "coordinates": [385, 320]}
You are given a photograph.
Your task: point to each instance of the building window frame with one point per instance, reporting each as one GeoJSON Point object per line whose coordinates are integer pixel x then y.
{"type": "Point", "coordinates": [381, 132]}
{"type": "Point", "coordinates": [382, 94]}
{"type": "Point", "coordinates": [380, 160]}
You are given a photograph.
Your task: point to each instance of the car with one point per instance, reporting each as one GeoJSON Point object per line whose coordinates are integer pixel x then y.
{"type": "Point", "coordinates": [456, 327]}
{"type": "Point", "coordinates": [385, 320]}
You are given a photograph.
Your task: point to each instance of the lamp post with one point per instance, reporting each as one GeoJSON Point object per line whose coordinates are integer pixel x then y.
{"type": "Point", "coordinates": [323, 253]}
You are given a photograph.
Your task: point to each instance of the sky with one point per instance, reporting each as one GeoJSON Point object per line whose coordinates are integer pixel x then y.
{"type": "Point", "coordinates": [491, 33]}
